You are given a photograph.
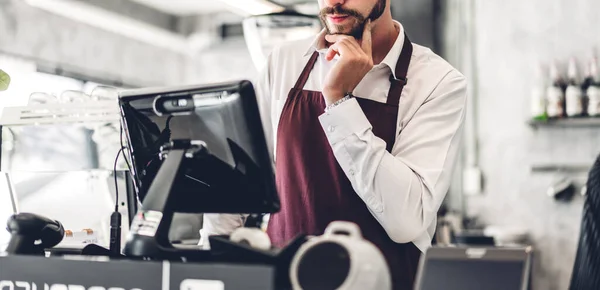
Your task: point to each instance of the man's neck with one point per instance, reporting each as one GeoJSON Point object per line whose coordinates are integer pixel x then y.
{"type": "Point", "coordinates": [384, 35]}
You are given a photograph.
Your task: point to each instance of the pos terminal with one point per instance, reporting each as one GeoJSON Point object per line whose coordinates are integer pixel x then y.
{"type": "Point", "coordinates": [195, 149]}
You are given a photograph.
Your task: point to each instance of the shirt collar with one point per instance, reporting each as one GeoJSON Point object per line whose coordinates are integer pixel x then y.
{"type": "Point", "coordinates": [391, 59]}
{"type": "Point", "coordinates": [317, 44]}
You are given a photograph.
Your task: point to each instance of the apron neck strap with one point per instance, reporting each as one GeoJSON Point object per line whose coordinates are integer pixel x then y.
{"type": "Point", "coordinates": [398, 82]}
{"type": "Point", "coordinates": [306, 72]}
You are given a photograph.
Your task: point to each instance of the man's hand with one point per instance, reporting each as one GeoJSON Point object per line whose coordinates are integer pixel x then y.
{"type": "Point", "coordinates": [355, 61]}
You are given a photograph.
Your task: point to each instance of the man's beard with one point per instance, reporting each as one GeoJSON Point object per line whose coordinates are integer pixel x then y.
{"type": "Point", "coordinates": [357, 29]}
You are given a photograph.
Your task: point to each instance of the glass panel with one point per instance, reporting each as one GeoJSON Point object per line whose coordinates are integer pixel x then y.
{"type": "Point", "coordinates": [80, 200]}
{"type": "Point", "coordinates": [6, 210]}
{"type": "Point", "coordinates": [60, 171]}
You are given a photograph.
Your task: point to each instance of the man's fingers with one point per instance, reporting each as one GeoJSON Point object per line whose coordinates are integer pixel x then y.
{"type": "Point", "coordinates": [350, 46]}
{"type": "Point", "coordinates": [331, 52]}
{"type": "Point", "coordinates": [349, 40]}
{"type": "Point", "coordinates": [341, 48]}
{"type": "Point", "coordinates": [367, 44]}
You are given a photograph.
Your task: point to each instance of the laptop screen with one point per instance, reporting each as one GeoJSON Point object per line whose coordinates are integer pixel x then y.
{"type": "Point", "coordinates": [454, 270]}
{"type": "Point", "coordinates": [473, 275]}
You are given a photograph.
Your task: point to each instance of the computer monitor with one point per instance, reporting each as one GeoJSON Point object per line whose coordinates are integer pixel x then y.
{"type": "Point", "coordinates": [474, 269]}
{"type": "Point", "coordinates": [236, 176]}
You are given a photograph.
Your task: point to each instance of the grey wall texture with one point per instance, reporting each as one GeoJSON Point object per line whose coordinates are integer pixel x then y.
{"type": "Point", "coordinates": [418, 18]}
{"type": "Point", "coordinates": [511, 38]}
{"type": "Point", "coordinates": [33, 33]}
{"type": "Point", "coordinates": [224, 61]}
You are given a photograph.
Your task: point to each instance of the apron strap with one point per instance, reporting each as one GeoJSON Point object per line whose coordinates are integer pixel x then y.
{"type": "Point", "coordinates": [398, 83]}
{"type": "Point", "coordinates": [306, 72]}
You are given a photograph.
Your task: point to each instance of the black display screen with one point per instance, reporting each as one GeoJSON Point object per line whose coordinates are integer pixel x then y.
{"type": "Point", "coordinates": [473, 275]}
{"type": "Point", "coordinates": [235, 173]}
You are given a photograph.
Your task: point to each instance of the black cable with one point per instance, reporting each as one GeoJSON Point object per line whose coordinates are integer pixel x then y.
{"type": "Point", "coordinates": [168, 124]}
{"type": "Point", "coordinates": [124, 148]}
{"type": "Point", "coordinates": [115, 176]}
{"type": "Point", "coordinates": [115, 217]}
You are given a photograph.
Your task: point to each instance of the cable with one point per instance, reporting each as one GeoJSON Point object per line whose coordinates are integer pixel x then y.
{"type": "Point", "coordinates": [123, 147]}
{"type": "Point", "coordinates": [115, 217]}
{"type": "Point", "coordinates": [115, 176]}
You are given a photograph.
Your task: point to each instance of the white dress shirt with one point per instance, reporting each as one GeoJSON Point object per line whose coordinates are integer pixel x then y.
{"type": "Point", "coordinates": [402, 189]}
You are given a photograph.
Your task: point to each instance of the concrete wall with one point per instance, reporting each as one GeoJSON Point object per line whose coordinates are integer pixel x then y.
{"type": "Point", "coordinates": [137, 11]}
{"type": "Point", "coordinates": [37, 34]}
{"type": "Point", "coordinates": [418, 18]}
{"type": "Point", "coordinates": [223, 61]}
{"type": "Point", "coordinates": [511, 38]}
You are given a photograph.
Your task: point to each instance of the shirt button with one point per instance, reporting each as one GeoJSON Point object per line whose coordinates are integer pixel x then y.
{"type": "Point", "coordinates": [331, 129]}
{"type": "Point", "coordinates": [351, 172]}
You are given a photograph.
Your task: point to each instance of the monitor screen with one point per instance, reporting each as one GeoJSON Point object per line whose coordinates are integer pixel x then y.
{"type": "Point", "coordinates": [455, 269]}
{"type": "Point", "coordinates": [236, 175]}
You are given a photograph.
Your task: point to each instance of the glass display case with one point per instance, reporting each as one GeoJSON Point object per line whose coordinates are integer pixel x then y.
{"type": "Point", "coordinates": [60, 158]}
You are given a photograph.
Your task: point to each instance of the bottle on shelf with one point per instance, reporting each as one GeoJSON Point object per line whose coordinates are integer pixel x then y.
{"type": "Point", "coordinates": [587, 80]}
{"type": "Point", "coordinates": [555, 96]}
{"type": "Point", "coordinates": [593, 91]}
{"type": "Point", "coordinates": [538, 95]}
{"type": "Point", "coordinates": [573, 94]}
{"type": "Point", "coordinates": [590, 81]}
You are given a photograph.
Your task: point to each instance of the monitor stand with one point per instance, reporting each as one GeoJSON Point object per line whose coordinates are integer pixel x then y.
{"type": "Point", "coordinates": [149, 234]}
{"type": "Point", "coordinates": [149, 239]}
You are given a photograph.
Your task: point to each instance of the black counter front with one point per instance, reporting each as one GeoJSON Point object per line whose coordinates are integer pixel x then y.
{"type": "Point", "coordinates": [27, 272]}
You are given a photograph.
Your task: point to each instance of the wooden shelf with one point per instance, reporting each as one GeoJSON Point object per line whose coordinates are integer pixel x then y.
{"type": "Point", "coordinates": [567, 123]}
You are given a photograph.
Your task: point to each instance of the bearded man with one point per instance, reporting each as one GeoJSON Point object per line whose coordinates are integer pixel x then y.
{"type": "Point", "coordinates": [363, 126]}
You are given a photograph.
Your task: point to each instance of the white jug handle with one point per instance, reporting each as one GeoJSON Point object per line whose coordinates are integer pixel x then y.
{"type": "Point", "coordinates": [343, 228]}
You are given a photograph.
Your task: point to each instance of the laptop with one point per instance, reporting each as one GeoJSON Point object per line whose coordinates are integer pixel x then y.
{"type": "Point", "coordinates": [464, 268]}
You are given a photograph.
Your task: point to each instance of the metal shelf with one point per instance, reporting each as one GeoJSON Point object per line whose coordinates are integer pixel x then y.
{"type": "Point", "coordinates": [557, 167]}
{"type": "Point", "coordinates": [567, 123]}
{"type": "Point", "coordinates": [55, 113]}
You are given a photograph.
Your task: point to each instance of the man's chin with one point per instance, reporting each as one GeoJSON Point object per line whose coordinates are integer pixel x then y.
{"type": "Point", "coordinates": [340, 31]}
{"type": "Point", "coordinates": [355, 32]}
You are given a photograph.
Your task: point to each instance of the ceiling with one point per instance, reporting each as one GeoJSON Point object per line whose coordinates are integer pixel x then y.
{"type": "Point", "coordinates": [185, 7]}
{"type": "Point", "coordinates": [195, 7]}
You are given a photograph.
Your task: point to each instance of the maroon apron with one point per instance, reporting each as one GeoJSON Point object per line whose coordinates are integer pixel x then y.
{"type": "Point", "coordinates": [313, 188]}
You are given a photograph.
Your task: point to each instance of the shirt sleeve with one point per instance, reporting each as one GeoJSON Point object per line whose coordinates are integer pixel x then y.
{"type": "Point", "coordinates": [403, 189]}
{"type": "Point", "coordinates": [225, 224]}
{"type": "Point", "coordinates": [219, 224]}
